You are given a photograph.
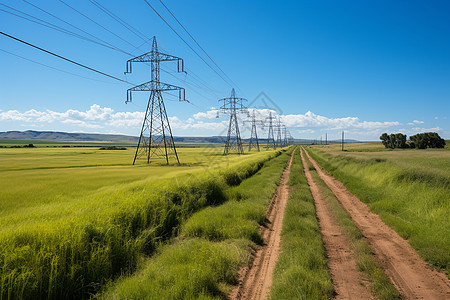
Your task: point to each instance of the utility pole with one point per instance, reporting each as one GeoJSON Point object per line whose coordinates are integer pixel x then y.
{"type": "Point", "coordinates": [254, 143]}
{"type": "Point", "coordinates": [156, 139]}
{"type": "Point", "coordinates": [270, 138]}
{"type": "Point", "coordinates": [326, 138]}
{"type": "Point", "coordinates": [342, 140]}
{"type": "Point", "coordinates": [232, 105]}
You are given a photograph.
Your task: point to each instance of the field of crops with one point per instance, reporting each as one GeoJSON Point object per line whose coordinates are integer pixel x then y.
{"type": "Point", "coordinates": [77, 221]}
{"type": "Point", "coordinates": [73, 218]}
{"type": "Point", "coordinates": [409, 189]}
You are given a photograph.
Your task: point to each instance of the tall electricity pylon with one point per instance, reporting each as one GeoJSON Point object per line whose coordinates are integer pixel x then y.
{"type": "Point", "coordinates": [285, 137]}
{"type": "Point", "coordinates": [156, 139]}
{"type": "Point", "coordinates": [233, 105]}
{"type": "Point", "coordinates": [270, 139]}
{"type": "Point", "coordinates": [278, 131]}
{"type": "Point", "coordinates": [254, 143]}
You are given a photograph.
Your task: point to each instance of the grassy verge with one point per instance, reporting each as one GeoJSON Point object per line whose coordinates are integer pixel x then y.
{"type": "Point", "coordinates": [202, 263]}
{"type": "Point", "coordinates": [301, 271]}
{"type": "Point", "coordinates": [415, 204]}
{"type": "Point", "coordinates": [380, 286]}
{"type": "Point", "coordinates": [107, 234]}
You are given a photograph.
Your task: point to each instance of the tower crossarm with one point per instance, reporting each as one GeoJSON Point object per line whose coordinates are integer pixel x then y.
{"type": "Point", "coordinates": [155, 56]}
{"type": "Point", "coordinates": [156, 86]}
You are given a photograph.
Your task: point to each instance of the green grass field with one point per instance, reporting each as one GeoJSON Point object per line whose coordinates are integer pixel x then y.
{"type": "Point", "coordinates": [202, 263]}
{"type": "Point", "coordinates": [75, 218]}
{"type": "Point", "coordinates": [409, 189]}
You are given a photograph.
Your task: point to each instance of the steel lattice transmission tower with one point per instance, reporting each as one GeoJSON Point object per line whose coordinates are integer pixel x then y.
{"type": "Point", "coordinates": [270, 138]}
{"type": "Point", "coordinates": [278, 131]}
{"type": "Point", "coordinates": [254, 143]}
{"type": "Point", "coordinates": [285, 136]}
{"type": "Point", "coordinates": [233, 105]}
{"type": "Point", "coordinates": [156, 139]}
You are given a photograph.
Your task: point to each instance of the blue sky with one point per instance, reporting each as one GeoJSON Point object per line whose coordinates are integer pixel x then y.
{"type": "Point", "coordinates": [365, 67]}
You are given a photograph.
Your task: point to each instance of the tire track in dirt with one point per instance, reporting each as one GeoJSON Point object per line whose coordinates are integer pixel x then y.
{"type": "Point", "coordinates": [346, 277]}
{"type": "Point", "coordinates": [255, 282]}
{"type": "Point", "coordinates": [406, 269]}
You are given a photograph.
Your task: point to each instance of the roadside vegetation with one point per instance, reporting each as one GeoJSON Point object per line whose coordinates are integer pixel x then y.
{"type": "Point", "coordinates": [408, 189]}
{"type": "Point", "coordinates": [78, 236]}
{"type": "Point", "coordinates": [301, 271]}
{"type": "Point", "coordinates": [380, 285]}
{"type": "Point", "coordinates": [202, 263]}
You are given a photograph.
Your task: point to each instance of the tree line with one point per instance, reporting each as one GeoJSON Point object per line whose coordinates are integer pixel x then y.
{"type": "Point", "coordinates": [419, 141]}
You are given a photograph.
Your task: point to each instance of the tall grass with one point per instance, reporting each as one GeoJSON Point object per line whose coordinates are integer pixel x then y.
{"type": "Point", "coordinates": [214, 242]}
{"type": "Point", "coordinates": [301, 271]}
{"type": "Point", "coordinates": [106, 234]}
{"type": "Point", "coordinates": [414, 202]}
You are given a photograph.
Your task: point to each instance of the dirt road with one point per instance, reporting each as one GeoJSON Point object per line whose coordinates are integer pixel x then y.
{"type": "Point", "coordinates": [406, 269]}
{"type": "Point", "coordinates": [346, 277]}
{"type": "Point", "coordinates": [255, 282]}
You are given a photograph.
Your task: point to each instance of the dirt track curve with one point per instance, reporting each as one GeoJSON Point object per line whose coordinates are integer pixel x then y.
{"type": "Point", "coordinates": [255, 281]}
{"type": "Point", "coordinates": [406, 269]}
{"type": "Point", "coordinates": [346, 277]}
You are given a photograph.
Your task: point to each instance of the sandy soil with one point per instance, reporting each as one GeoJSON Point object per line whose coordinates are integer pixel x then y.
{"type": "Point", "coordinates": [348, 281]}
{"type": "Point", "coordinates": [406, 269]}
{"type": "Point", "coordinates": [255, 282]}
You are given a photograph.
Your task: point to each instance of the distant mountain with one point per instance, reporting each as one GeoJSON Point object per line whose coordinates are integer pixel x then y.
{"type": "Point", "coordinates": [65, 136]}
{"type": "Point", "coordinates": [94, 137]}
{"type": "Point", "coordinates": [118, 138]}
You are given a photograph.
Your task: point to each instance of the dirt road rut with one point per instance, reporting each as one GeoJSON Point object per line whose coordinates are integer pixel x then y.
{"type": "Point", "coordinates": [347, 278]}
{"type": "Point", "coordinates": [255, 281]}
{"type": "Point", "coordinates": [407, 270]}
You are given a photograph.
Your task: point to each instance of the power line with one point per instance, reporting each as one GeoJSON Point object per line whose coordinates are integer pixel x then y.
{"type": "Point", "coordinates": [56, 27]}
{"type": "Point", "coordinates": [71, 33]}
{"type": "Point", "coordinates": [66, 59]}
{"type": "Point", "coordinates": [50, 67]}
{"type": "Point", "coordinates": [120, 21]}
{"type": "Point", "coordinates": [197, 43]}
{"type": "Point", "coordinates": [187, 43]}
{"type": "Point", "coordinates": [50, 14]}
{"type": "Point", "coordinates": [96, 23]}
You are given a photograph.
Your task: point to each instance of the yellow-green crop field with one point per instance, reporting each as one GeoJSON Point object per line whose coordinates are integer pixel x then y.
{"type": "Point", "coordinates": [73, 218]}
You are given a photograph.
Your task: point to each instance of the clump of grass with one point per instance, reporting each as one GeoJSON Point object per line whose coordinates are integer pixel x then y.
{"type": "Point", "coordinates": [301, 271]}
{"type": "Point", "coordinates": [189, 269]}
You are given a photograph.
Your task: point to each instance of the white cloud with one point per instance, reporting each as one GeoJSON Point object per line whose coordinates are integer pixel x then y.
{"type": "Point", "coordinates": [202, 123]}
{"type": "Point", "coordinates": [210, 114]}
{"type": "Point", "coordinates": [310, 119]}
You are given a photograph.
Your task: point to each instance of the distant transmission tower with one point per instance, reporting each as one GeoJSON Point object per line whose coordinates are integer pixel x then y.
{"type": "Point", "coordinates": [156, 139]}
{"type": "Point", "coordinates": [232, 105]}
{"type": "Point", "coordinates": [278, 131]}
{"type": "Point", "coordinates": [254, 143]}
{"type": "Point", "coordinates": [285, 137]}
{"type": "Point", "coordinates": [270, 139]}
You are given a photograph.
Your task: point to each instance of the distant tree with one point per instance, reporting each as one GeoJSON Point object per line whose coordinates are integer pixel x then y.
{"type": "Point", "coordinates": [400, 140]}
{"type": "Point", "coordinates": [427, 140]}
{"type": "Point", "coordinates": [385, 139]}
{"type": "Point", "coordinates": [394, 140]}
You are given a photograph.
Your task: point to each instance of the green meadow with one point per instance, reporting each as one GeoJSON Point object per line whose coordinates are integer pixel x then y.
{"type": "Point", "coordinates": [408, 188]}
{"type": "Point", "coordinates": [74, 218]}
